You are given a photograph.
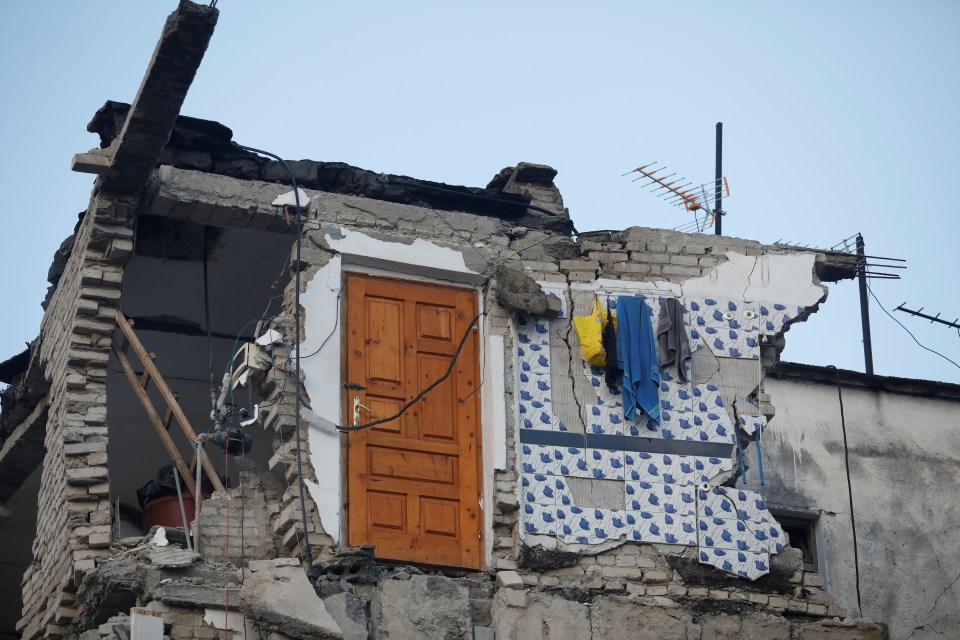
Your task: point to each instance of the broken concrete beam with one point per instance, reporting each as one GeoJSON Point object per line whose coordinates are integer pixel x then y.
{"type": "Point", "coordinates": [282, 599]}
{"type": "Point", "coordinates": [154, 111]}
{"type": "Point", "coordinates": [172, 557]}
{"type": "Point", "coordinates": [95, 161]}
{"type": "Point", "coordinates": [350, 613]}
{"type": "Point", "coordinates": [198, 596]}
{"type": "Point", "coordinates": [520, 293]}
{"type": "Point", "coordinates": [421, 607]}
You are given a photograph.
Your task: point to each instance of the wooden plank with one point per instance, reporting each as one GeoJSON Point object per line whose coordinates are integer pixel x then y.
{"type": "Point", "coordinates": [168, 417]}
{"type": "Point", "coordinates": [145, 378]}
{"type": "Point", "coordinates": [168, 397]}
{"type": "Point", "coordinates": [155, 421]}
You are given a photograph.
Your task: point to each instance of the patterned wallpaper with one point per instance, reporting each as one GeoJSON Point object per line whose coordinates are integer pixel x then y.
{"type": "Point", "coordinates": [666, 472]}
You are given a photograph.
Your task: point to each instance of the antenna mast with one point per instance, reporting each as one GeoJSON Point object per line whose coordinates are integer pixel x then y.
{"type": "Point", "coordinates": [717, 177]}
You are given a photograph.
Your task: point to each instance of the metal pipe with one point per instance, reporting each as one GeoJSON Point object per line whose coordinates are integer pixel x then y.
{"type": "Point", "coordinates": [197, 498]}
{"type": "Point", "coordinates": [718, 197]}
{"type": "Point", "coordinates": [183, 512]}
{"type": "Point", "coordinates": [864, 306]}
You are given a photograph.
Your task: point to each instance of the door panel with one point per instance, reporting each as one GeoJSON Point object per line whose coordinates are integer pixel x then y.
{"type": "Point", "coordinates": [413, 483]}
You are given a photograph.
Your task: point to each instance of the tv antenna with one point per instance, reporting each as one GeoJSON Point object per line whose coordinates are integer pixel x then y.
{"type": "Point", "coordinates": [705, 198]}
{"type": "Point", "coordinates": [919, 313]}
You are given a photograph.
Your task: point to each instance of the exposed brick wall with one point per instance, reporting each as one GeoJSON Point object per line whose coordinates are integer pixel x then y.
{"type": "Point", "coordinates": [644, 254]}
{"type": "Point", "coordinates": [73, 522]}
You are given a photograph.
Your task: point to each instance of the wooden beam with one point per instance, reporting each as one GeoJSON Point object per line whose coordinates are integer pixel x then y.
{"type": "Point", "coordinates": [155, 421]}
{"type": "Point", "coordinates": [168, 397]}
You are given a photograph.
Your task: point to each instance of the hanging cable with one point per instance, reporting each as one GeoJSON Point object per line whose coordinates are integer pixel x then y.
{"type": "Point", "coordinates": [908, 330]}
{"type": "Point", "coordinates": [206, 316]}
{"type": "Point", "coordinates": [846, 466]}
{"type": "Point", "coordinates": [296, 313]}
{"type": "Point", "coordinates": [336, 322]}
{"type": "Point", "coordinates": [428, 389]}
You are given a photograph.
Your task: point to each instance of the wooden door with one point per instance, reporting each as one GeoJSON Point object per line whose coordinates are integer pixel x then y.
{"type": "Point", "coordinates": [414, 482]}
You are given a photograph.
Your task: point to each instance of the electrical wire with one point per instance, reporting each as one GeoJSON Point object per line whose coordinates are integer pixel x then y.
{"type": "Point", "coordinates": [909, 332]}
{"type": "Point", "coordinates": [846, 466]}
{"type": "Point", "coordinates": [483, 368]}
{"type": "Point", "coordinates": [206, 316]}
{"type": "Point", "coordinates": [336, 322]}
{"type": "Point", "coordinates": [433, 385]}
{"type": "Point", "coordinates": [296, 312]}
{"type": "Point", "coordinates": [461, 236]}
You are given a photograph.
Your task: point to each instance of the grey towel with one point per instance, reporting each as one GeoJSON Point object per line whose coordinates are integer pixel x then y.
{"type": "Point", "coordinates": [672, 341]}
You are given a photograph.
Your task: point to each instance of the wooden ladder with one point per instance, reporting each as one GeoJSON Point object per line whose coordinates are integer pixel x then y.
{"type": "Point", "coordinates": [140, 385]}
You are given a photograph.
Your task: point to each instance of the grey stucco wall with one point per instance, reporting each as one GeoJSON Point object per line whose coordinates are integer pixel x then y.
{"type": "Point", "coordinates": [904, 459]}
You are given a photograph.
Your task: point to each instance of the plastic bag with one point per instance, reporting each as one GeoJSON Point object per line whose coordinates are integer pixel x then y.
{"type": "Point", "coordinates": [589, 330]}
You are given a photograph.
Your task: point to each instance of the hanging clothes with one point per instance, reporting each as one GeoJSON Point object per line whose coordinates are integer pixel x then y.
{"type": "Point", "coordinates": [637, 353]}
{"type": "Point", "coordinates": [609, 341]}
{"type": "Point", "coordinates": [672, 338]}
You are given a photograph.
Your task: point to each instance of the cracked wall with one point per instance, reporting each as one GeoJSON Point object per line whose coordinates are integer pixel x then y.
{"type": "Point", "coordinates": [903, 460]}
{"type": "Point", "coordinates": [778, 288]}
{"type": "Point", "coordinates": [661, 480]}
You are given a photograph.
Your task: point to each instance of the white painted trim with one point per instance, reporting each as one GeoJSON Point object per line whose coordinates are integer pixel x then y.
{"type": "Point", "coordinates": [421, 261]}
{"type": "Point", "coordinates": [495, 400]}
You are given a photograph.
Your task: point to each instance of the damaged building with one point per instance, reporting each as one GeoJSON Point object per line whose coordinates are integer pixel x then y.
{"type": "Point", "coordinates": [299, 399]}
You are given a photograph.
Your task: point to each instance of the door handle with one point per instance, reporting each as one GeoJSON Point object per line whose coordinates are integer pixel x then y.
{"type": "Point", "coordinates": [356, 410]}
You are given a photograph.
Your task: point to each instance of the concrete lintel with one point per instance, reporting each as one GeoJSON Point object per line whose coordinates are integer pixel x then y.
{"type": "Point", "coordinates": [154, 112]}
{"type": "Point", "coordinates": [208, 198]}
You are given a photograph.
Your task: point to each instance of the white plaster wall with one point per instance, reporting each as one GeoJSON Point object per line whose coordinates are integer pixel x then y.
{"type": "Point", "coordinates": [904, 456]}
{"type": "Point", "coordinates": [321, 302]}
{"type": "Point", "coordinates": [420, 260]}
{"type": "Point", "coordinates": [773, 277]}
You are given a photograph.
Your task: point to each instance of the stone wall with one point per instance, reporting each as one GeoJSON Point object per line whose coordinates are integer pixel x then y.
{"type": "Point", "coordinates": [350, 596]}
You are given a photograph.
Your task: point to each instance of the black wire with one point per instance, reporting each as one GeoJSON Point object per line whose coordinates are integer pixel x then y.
{"type": "Point", "coordinates": [430, 387]}
{"type": "Point", "coordinates": [529, 246]}
{"type": "Point", "coordinates": [336, 321]}
{"type": "Point", "coordinates": [846, 464]}
{"type": "Point", "coordinates": [908, 330]}
{"type": "Point", "coordinates": [206, 316]}
{"type": "Point", "coordinates": [296, 312]}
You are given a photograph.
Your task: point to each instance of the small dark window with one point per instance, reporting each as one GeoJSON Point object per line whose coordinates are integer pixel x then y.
{"type": "Point", "coordinates": [802, 531]}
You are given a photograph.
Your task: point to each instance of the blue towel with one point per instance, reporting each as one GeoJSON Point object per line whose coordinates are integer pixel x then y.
{"type": "Point", "coordinates": [637, 352]}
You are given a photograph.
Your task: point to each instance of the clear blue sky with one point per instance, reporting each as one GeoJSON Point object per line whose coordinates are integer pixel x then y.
{"type": "Point", "coordinates": [838, 118]}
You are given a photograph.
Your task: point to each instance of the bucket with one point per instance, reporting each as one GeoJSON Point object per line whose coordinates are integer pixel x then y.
{"type": "Point", "coordinates": [165, 511]}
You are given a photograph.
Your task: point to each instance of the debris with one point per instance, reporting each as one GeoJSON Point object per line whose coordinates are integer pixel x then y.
{"type": "Point", "coordinates": [172, 557]}
{"type": "Point", "coordinates": [160, 538]}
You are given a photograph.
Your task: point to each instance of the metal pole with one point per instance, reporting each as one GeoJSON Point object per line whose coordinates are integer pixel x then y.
{"type": "Point", "coordinates": [864, 305]}
{"type": "Point", "coordinates": [197, 498]}
{"type": "Point", "coordinates": [183, 512]}
{"type": "Point", "coordinates": [718, 192]}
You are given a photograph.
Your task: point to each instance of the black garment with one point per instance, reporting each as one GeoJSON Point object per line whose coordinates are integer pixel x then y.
{"type": "Point", "coordinates": [609, 341]}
